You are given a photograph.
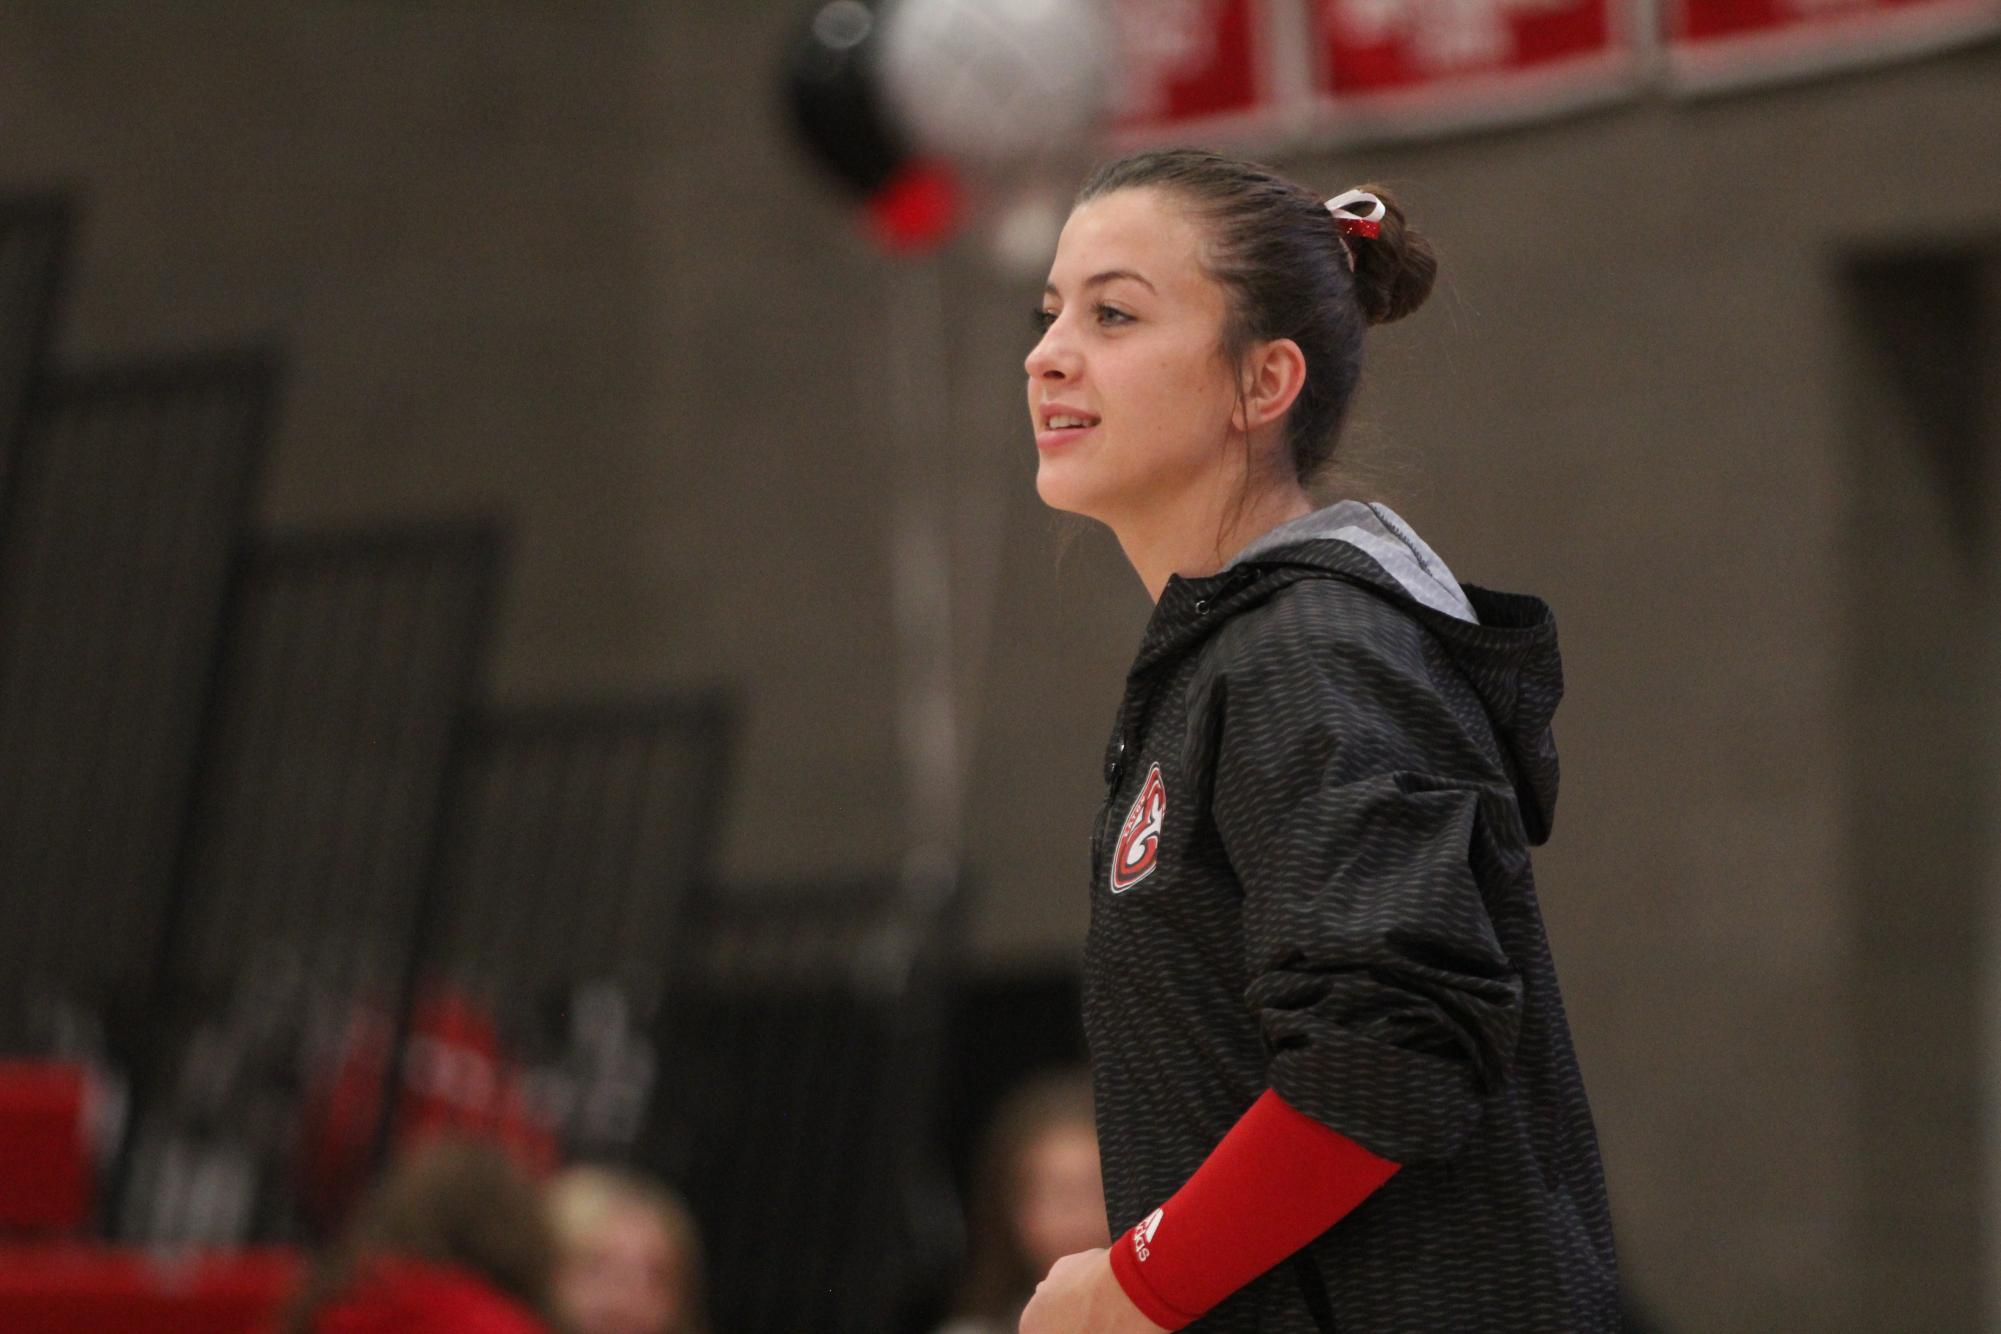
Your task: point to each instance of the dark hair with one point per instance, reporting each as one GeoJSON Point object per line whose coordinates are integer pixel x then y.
{"type": "Point", "coordinates": [999, 1279]}
{"type": "Point", "coordinates": [1274, 247]}
{"type": "Point", "coordinates": [449, 1201]}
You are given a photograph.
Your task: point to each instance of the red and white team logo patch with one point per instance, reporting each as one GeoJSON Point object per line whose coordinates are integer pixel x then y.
{"type": "Point", "coordinates": [1139, 838]}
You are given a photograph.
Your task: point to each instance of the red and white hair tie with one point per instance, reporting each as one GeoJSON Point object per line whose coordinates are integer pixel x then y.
{"type": "Point", "coordinates": [1357, 213]}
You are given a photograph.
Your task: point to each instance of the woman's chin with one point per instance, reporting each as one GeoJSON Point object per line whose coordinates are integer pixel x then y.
{"type": "Point", "coordinates": [1062, 489]}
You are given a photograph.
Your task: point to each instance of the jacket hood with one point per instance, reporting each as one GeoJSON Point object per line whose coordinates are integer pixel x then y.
{"type": "Point", "coordinates": [1503, 643]}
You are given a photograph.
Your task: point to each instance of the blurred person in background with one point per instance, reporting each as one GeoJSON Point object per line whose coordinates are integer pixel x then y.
{"type": "Point", "coordinates": [1334, 1081]}
{"type": "Point", "coordinates": [1037, 1196]}
{"type": "Point", "coordinates": [455, 1240]}
{"type": "Point", "coordinates": [629, 1257]}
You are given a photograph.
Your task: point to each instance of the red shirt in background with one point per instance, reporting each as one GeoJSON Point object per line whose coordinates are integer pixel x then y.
{"type": "Point", "coordinates": [410, 1297]}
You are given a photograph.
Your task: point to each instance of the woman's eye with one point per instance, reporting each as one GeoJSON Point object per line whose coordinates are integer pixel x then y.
{"type": "Point", "coordinates": [1112, 315]}
{"type": "Point", "coordinates": [1042, 319]}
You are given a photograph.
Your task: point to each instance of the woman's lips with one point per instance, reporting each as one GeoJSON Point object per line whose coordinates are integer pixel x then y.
{"type": "Point", "coordinates": [1076, 423]}
{"type": "Point", "coordinates": [1056, 437]}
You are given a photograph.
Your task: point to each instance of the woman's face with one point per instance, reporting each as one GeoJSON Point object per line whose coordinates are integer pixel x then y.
{"type": "Point", "coordinates": [624, 1278]}
{"type": "Point", "coordinates": [1132, 348]}
{"type": "Point", "coordinates": [1059, 1205]}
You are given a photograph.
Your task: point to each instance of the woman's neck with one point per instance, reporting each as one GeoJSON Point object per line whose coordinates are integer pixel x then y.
{"type": "Point", "coordinates": [1195, 537]}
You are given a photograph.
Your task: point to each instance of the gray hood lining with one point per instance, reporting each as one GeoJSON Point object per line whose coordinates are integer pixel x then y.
{"type": "Point", "coordinates": [1379, 533]}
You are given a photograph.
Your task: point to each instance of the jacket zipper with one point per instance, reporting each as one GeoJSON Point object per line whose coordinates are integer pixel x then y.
{"type": "Point", "coordinates": [1110, 812]}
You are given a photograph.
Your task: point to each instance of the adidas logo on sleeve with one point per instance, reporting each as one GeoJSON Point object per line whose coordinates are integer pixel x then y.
{"type": "Point", "coordinates": [1143, 1234]}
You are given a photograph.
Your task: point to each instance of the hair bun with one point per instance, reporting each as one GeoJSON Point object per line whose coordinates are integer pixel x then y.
{"type": "Point", "coordinates": [1395, 268]}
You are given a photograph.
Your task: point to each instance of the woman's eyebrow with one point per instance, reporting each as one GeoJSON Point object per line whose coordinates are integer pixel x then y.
{"type": "Point", "coordinates": [1100, 279]}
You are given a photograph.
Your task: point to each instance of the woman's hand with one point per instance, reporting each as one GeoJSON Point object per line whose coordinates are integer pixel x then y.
{"type": "Point", "coordinates": [1081, 1296]}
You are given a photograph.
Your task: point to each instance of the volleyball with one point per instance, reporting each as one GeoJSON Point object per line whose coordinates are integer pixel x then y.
{"type": "Point", "coordinates": [994, 83]}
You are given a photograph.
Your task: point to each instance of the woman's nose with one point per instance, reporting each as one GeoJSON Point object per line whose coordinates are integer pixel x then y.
{"type": "Point", "coordinates": [1051, 357]}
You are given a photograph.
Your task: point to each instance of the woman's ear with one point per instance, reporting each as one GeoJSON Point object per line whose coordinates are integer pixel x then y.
{"type": "Point", "coordinates": [1273, 374]}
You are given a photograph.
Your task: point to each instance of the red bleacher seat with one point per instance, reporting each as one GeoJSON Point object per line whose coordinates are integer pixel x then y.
{"type": "Point", "coordinates": [44, 1156]}
{"type": "Point", "coordinates": [77, 1288]}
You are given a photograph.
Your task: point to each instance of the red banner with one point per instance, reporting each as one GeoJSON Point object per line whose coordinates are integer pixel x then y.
{"type": "Point", "coordinates": [1727, 41]}
{"type": "Point", "coordinates": [1281, 74]}
{"type": "Point", "coordinates": [1455, 59]}
{"type": "Point", "coordinates": [1189, 68]}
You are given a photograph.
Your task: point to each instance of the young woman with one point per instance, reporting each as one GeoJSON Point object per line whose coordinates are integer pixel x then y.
{"type": "Point", "coordinates": [628, 1255]}
{"type": "Point", "coordinates": [1037, 1196]}
{"type": "Point", "coordinates": [1334, 1082]}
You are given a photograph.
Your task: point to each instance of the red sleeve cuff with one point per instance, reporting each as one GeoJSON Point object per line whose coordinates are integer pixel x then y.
{"type": "Point", "coordinates": [1275, 1182]}
{"type": "Point", "coordinates": [1128, 1269]}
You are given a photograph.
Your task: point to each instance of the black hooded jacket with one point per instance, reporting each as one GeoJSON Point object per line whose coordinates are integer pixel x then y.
{"type": "Point", "coordinates": [1312, 874]}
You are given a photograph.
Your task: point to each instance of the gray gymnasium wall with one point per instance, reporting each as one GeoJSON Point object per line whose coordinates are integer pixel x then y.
{"type": "Point", "coordinates": [561, 261]}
